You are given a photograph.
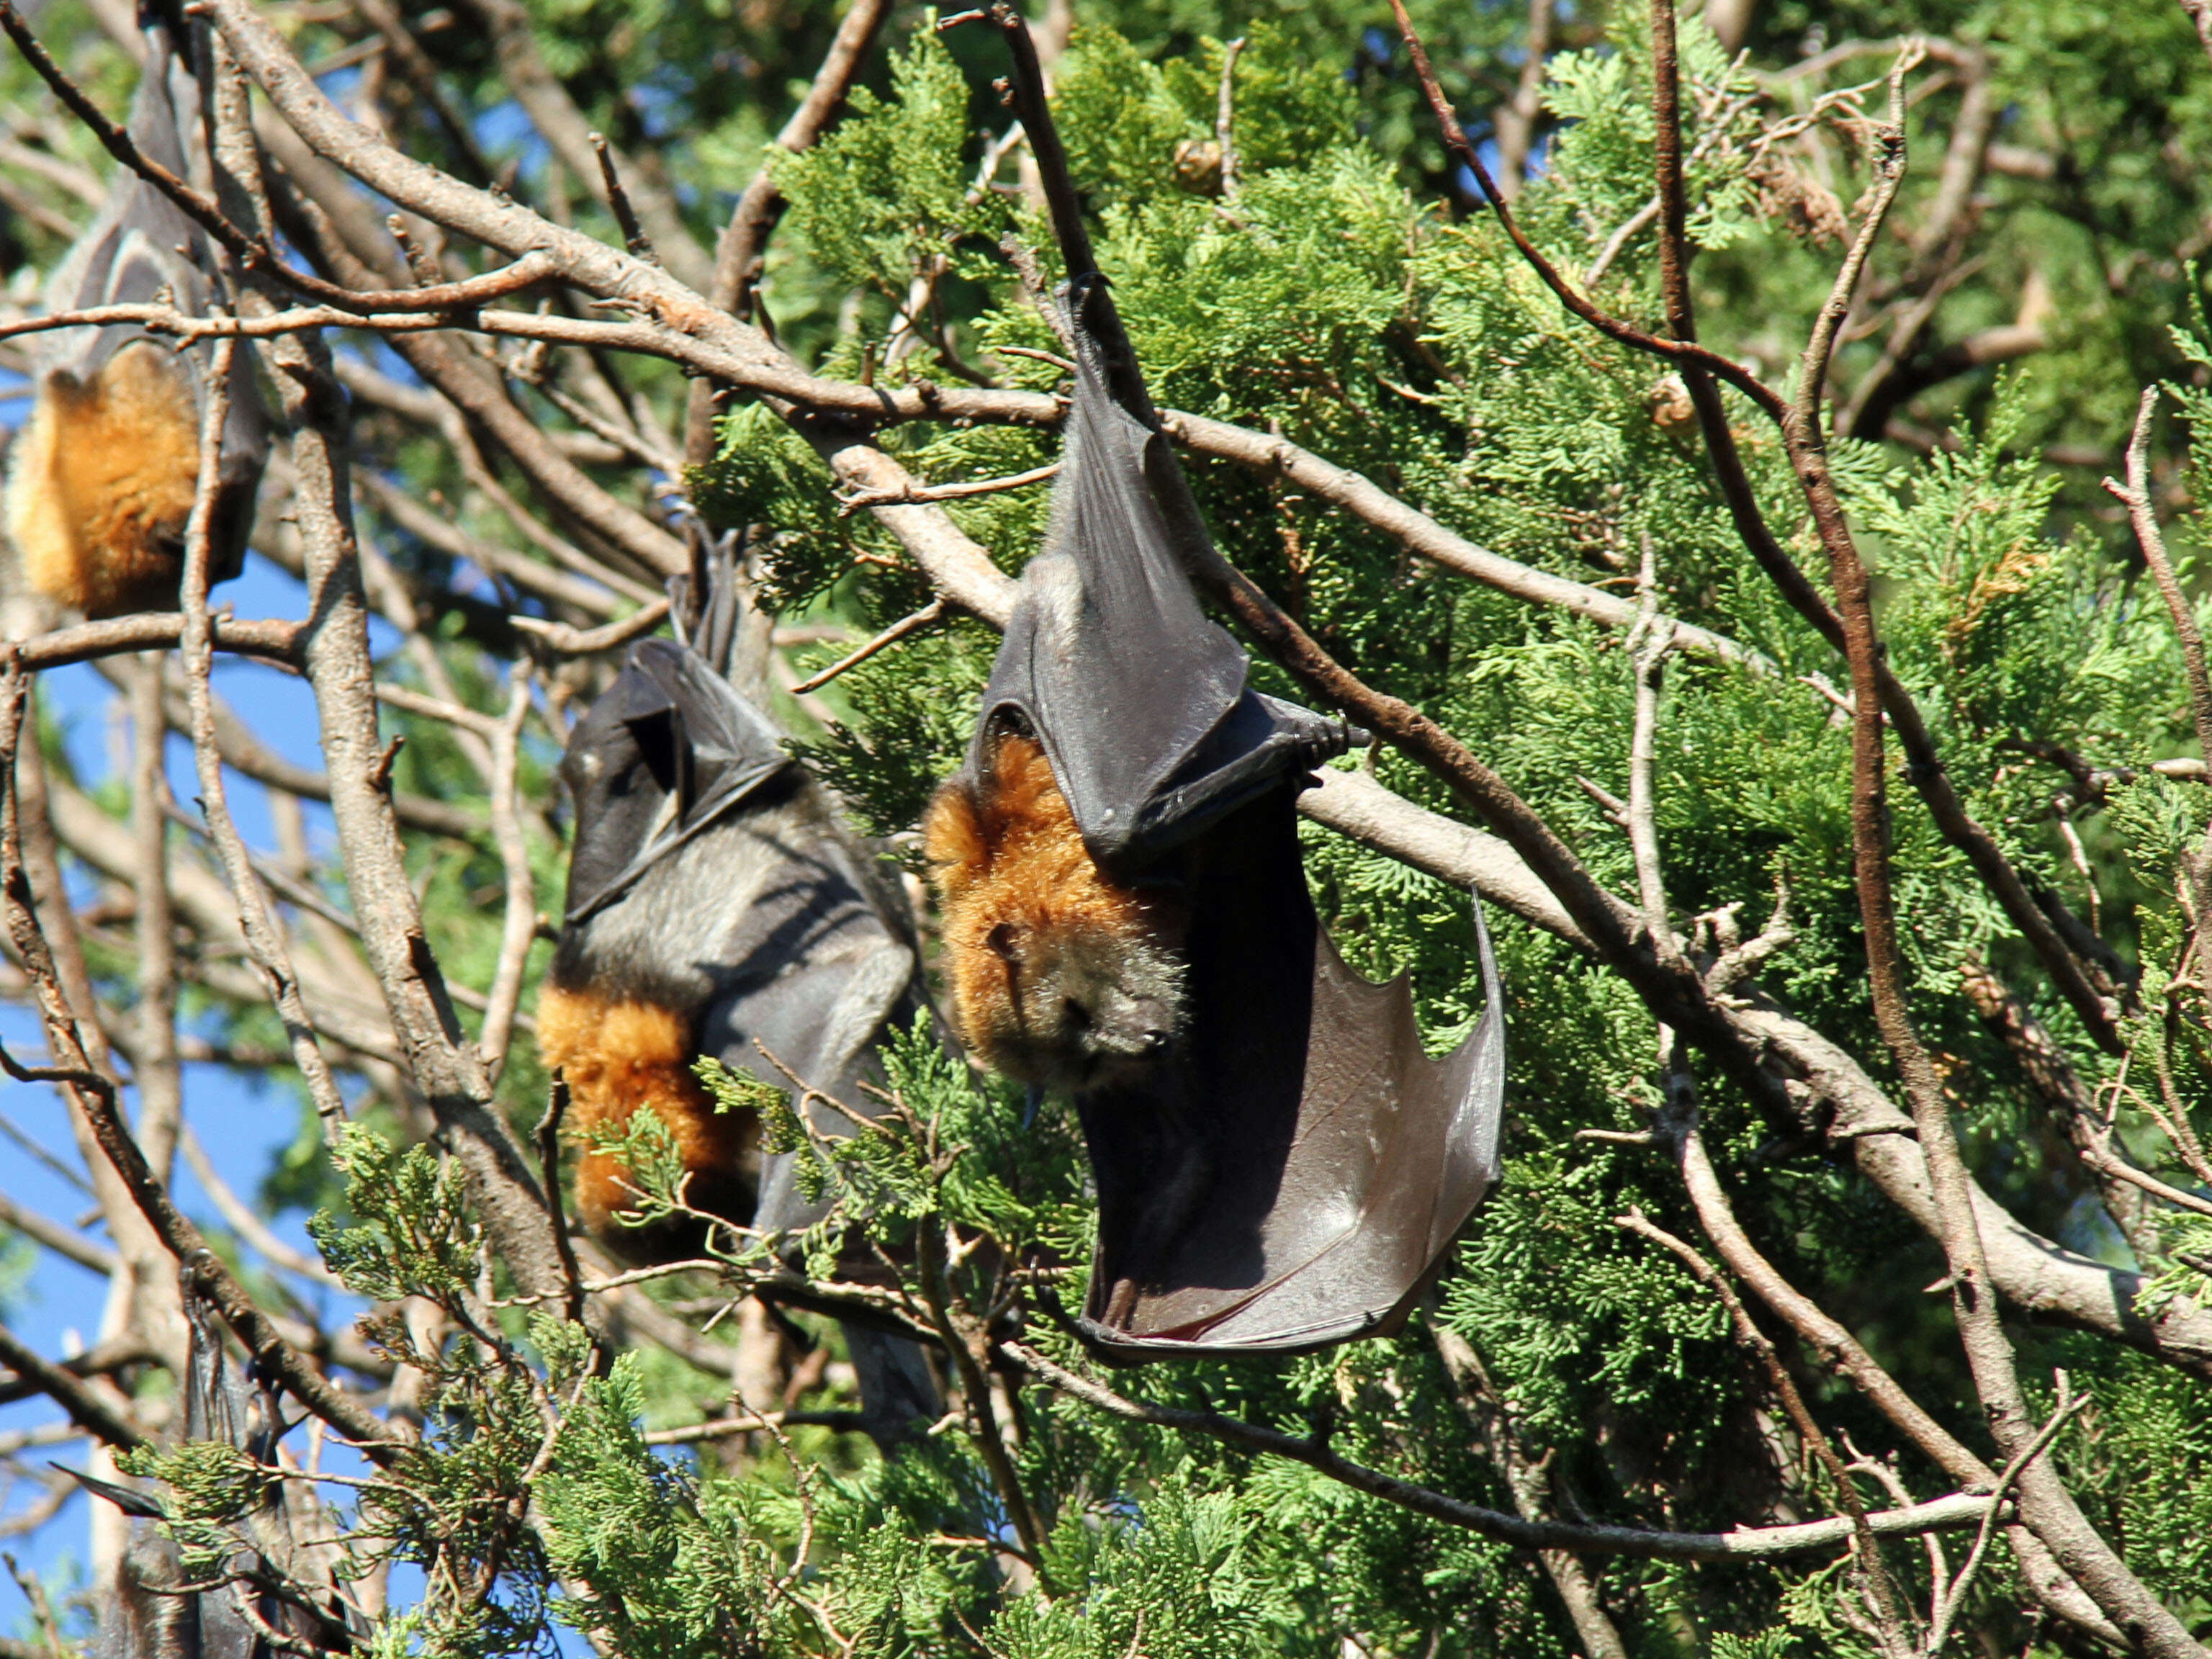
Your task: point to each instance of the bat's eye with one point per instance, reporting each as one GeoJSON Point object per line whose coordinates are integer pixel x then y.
{"type": "Point", "coordinates": [1005, 941]}
{"type": "Point", "coordinates": [1078, 1016]}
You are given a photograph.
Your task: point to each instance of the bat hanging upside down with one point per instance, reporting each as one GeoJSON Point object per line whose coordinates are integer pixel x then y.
{"type": "Point", "coordinates": [1062, 977]}
{"type": "Point", "coordinates": [1277, 1162]}
{"type": "Point", "coordinates": [716, 905]}
{"type": "Point", "coordinates": [100, 480]}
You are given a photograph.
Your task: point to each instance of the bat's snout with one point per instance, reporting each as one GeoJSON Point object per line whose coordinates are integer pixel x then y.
{"type": "Point", "coordinates": [1122, 1027]}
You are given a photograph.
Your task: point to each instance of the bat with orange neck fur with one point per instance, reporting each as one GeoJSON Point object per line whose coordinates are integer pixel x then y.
{"type": "Point", "coordinates": [716, 905]}
{"type": "Point", "coordinates": [1279, 1166]}
{"type": "Point", "coordinates": [101, 479]}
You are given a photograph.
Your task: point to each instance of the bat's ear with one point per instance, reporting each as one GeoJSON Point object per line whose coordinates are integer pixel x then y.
{"type": "Point", "coordinates": [658, 734]}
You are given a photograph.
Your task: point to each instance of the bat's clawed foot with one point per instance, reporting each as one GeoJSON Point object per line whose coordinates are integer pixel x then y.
{"type": "Point", "coordinates": [1120, 1303]}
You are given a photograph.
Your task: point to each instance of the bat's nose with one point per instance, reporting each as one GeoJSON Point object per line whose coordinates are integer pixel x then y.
{"type": "Point", "coordinates": [1154, 1023]}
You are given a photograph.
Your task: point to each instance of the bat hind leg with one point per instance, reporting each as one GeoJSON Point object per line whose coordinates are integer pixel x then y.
{"type": "Point", "coordinates": [1184, 1175]}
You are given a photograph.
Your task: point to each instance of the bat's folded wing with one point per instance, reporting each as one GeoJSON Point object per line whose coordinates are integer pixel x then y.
{"type": "Point", "coordinates": [140, 249]}
{"type": "Point", "coordinates": [1139, 700]}
{"type": "Point", "coordinates": [1332, 1181]}
{"type": "Point", "coordinates": [668, 750]}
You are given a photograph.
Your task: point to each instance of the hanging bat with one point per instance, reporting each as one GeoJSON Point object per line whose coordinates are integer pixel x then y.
{"type": "Point", "coordinates": [716, 906]}
{"type": "Point", "coordinates": [1125, 920]}
{"type": "Point", "coordinates": [279, 1584]}
{"type": "Point", "coordinates": [101, 477]}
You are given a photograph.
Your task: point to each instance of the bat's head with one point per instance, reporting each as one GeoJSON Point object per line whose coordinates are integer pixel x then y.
{"type": "Point", "coordinates": [1060, 976]}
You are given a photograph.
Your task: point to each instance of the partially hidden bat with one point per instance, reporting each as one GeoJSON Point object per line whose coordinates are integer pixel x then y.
{"type": "Point", "coordinates": [1125, 920]}
{"type": "Point", "coordinates": [101, 479]}
{"type": "Point", "coordinates": [716, 905]}
{"type": "Point", "coordinates": [154, 1607]}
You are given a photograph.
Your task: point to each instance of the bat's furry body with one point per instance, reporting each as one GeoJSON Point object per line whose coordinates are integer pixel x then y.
{"type": "Point", "coordinates": [100, 484]}
{"type": "Point", "coordinates": [765, 927]}
{"type": "Point", "coordinates": [100, 480]}
{"type": "Point", "coordinates": [716, 906]}
{"type": "Point", "coordinates": [1060, 976]}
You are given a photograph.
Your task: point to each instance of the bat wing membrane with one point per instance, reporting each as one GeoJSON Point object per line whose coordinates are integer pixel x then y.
{"type": "Point", "coordinates": [1139, 700]}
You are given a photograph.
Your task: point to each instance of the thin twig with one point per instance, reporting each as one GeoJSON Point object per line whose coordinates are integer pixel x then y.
{"type": "Point", "coordinates": [587, 641]}
{"type": "Point", "coordinates": [244, 1222]}
{"type": "Point", "coordinates": [2142, 518]}
{"type": "Point", "coordinates": [634, 236]}
{"type": "Point", "coordinates": [1646, 647]}
{"type": "Point", "coordinates": [1224, 119]}
{"type": "Point", "coordinates": [518, 925]}
{"type": "Point", "coordinates": [1744, 1543]}
{"type": "Point", "coordinates": [935, 610]}
{"type": "Point", "coordinates": [944, 492]}
{"type": "Point", "coordinates": [549, 1169]}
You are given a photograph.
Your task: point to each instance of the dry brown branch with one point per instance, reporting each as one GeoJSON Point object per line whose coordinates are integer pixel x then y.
{"type": "Point", "coordinates": [1743, 1544]}
{"type": "Point", "coordinates": [272, 954]}
{"type": "Point", "coordinates": [1949, 1598]}
{"type": "Point", "coordinates": [85, 1408]}
{"type": "Point", "coordinates": [271, 640]}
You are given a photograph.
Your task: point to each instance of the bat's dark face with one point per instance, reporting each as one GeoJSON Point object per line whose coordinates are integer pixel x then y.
{"type": "Point", "coordinates": [1060, 977]}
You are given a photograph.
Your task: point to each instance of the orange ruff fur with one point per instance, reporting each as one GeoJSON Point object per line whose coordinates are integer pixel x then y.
{"type": "Point", "coordinates": [619, 1054]}
{"type": "Point", "coordinates": [1019, 888]}
{"type": "Point", "coordinates": [101, 485]}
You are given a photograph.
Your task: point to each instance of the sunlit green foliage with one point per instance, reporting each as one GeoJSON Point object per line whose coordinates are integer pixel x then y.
{"type": "Point", "coordinates": [1337, 299]}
